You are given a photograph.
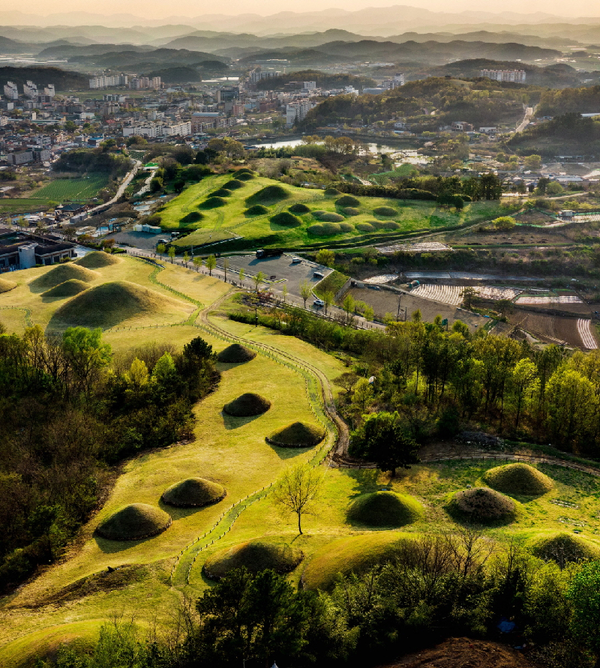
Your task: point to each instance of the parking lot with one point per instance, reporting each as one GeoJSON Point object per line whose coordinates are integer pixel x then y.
{"type": "Point", "coordinates": [281, 268]}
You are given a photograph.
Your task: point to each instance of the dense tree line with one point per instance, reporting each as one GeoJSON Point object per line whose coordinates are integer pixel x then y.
{"type": "Point", "coordinates": [569, 100]}
{"type": "Point", "coordinates": [98, 160]}
{"type": "Point", "coordinates": [322, 79]}
{"type": "Point", "coordinates": [70, 409]}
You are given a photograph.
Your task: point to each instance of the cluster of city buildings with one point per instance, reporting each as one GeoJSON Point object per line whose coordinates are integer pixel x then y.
{"type": "Point", "coordinates": [118, 80]}
{"type": "Point", "coordinates": [513, 76]}
{"type": "Point", "coordinates": [30, 91]}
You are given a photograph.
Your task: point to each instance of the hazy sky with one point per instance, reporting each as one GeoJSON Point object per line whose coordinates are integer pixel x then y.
{"type": "Point", "coordinates": [156, 9]}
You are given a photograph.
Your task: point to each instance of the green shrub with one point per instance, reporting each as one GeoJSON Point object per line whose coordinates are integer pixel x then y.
{"type": "Point", "coordinates": [212, 203]}
{"type": "Point", "coordinates": [286, 219]}
{"type": "Point", "coordinates": [299, 208]}
{"type": "Point", "coordinates": [385, 211]}
{"type": "Point", "coordinates": [347, 200]}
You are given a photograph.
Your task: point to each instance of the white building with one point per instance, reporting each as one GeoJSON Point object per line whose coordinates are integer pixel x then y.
{"type": "Point", "coordinates": [295, 112]}
{"type": "Point", "coordinates": [49, 90]}
{"type": "Point", "coordinates": [109, 81]}
{"type": "Point", "coordinates": [10, 91]}
{"type": "Point", "coordinates": [514, 76]}
{"type": "Point", "coordinates": [183, 129]}
{"type": "Point", "coordinates": [30, 90]}
{"type": "Point", "coordinates": [309, 85]}
{"type": "Point", "coordinates": [258, 75]}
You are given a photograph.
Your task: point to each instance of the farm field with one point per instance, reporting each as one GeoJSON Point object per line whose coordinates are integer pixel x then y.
{"type": "Point", "coordinates": [277, 219]}
{"type": "Point", "coordinates": [452, 294]}
{"type": "Point", "coordinates": [554, 329]}
{"type": "Point", "coordinates": [79, 189]}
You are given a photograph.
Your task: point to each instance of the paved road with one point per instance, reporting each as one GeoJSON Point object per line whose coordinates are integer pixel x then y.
{"type": "Point", "coordinates": [526, 120]}
{"type": "Point", "coordinates": [120, 190]}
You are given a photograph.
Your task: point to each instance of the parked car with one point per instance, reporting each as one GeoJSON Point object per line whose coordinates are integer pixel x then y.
{"type": "Point", "coordinates": [318, 302]}
{"type": "Point", "coordinates": [296, 260]}
{"type": "Point", "coordinates": [318, 274]}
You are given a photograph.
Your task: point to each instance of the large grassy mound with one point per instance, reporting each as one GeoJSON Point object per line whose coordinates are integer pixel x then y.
{"type": "Point", "coordinates": [364, 227]}
{"type": "Point", "coordinates": [286, 219]}
{"type": "Point", "coordinates": [332, 192]}
{"type": "Point", "coordinates": [192, 217]}
{"type": "Point", "coordinates": [247, 405]}
{"type": "Point", "coordinates": [109, 304]}
{"type": "Point", "coordinates": [62, 273]}
{"type": "Point", "coordinates": [482, 505]}
{"type": "Point", "coordinates": [134, 522]}
{"type": "Point", "coordinates": [98, 260]}
{"type": "Point", "coordinates": [299, 208]}
{"type": "Point", "coordinates": [384, 211]}
{"type": "Point", "coordinates": [255, 555]}
{"type": "Point", "coordinates": [385, 509]}
{"type": "Point", "coordinates": [297, 435]}
{"type": "Point", "coordinates": [236, 354]}
{"type": "Point", "coordinates": [565, 548]}
{"type": "Point", "coordinates": [194, 492]}
{"type": "Point", "coordinates": [347, 200]}
{"type": "Point", "coordinates": [355, 554]}
{"type": "Point", "coordinates": [329, 229]}
{"type": "Point", "coordinates": [234, 184]}
{"type": "Point", "coordinates": [273, 193]}
{"type": "Point", "coordinates": [6, 285]}
{"type": "Point", "coordinates": [221, 192]}
{"type": "Point", "coordinates": [69, 288]}
{"type": "Point", "coordinates": [244, 176]}
{"type": "Point", "coordinates": [518, 479]}
{"type": "Point", "coordinates": [212, 203]}
{"type": "Point", "coordinates": [328, 217]}
{"type": "Point", "coordinates": [256, 210]}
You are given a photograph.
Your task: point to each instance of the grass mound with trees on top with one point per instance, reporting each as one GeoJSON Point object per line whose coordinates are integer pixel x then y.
{"type": "Point", "coordinates": [256, 210]}
{"type": "Point", "coordinates": [347, 200]}
{"type": "Point", "coordinates": [6, 285]}
{"type": "Point", "coordinates": [98, 260]}
{"type": "Point", "coordinates": [256, 556]}
{"type": "Point", "coordinates": [274, 193]}
{"type": "Point", "coordinates": [482, 505]}
{"type": "Point", "coordinates": [247, 405]}
{"type": "Point", "coordinates": [62, 273]}
{"type": "Point", "coordinates": [386, 211]}
{"type": "Point", "coordinates": [385, 509]}
{"type": "Point", "coordinates": [193, 493]}
{"type": "Point", "coordinates": [236, 354]}
{"type": "Point", "coordinates": [234, 184]}
{"type": "Point", "coordinates": [69, 288]}
{"type": "Point", "coordinates": [110, 303]}
{"type": "Point", "coordinates": [564, 548]}
{"type": "Point", "coordinates": [192, 217]}
{"type": "Point", "coordinates": [212, 203]}
{"type": "Point", "coordinates": [297, 435]}
{"type": "Point", "coordinates": [135, 522]}
{"type": "Point", "coordinates": [286, 219]}
{"type": "Point", "coordinates": [299, 208]}
{"type": "Point", "coordinates": [518, 479]}
{"type": "Point", "coordinates": [354, 554]}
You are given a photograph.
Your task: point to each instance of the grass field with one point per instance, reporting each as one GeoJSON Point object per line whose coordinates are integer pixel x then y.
{"type": "Point", "coordinates": [80, 189]}
{"type": "Point", "coordinates": [230, 220]}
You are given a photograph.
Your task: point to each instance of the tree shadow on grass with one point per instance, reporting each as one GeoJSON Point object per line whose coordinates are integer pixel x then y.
{"type": "Point", "coordinates": [287, 453]}
{"type": "Point", "coordinates": [365, 481]}
{"type": "Point", "coordinates": [113, 546]}
{"type": "Point", "coordinates": [178, 512]}
{"type": "Point", "coordinates": [231, 422]}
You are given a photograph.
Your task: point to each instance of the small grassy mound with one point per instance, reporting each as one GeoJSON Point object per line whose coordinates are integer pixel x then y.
{"type": "Point", "coordinates": [134, 522]}
{"type": "Point", "coordinates": [69, 288]}
{"type": "Point", "coordinates": [221, 192]}
{"type": "Point", "coordinates": [328, 229]}
{"type": "Point", "coordinates": [194, 492]}
{"type": "Point", "coordinates": [256, 210]}
{"type": "Point", "coordinates": [6, 285]}
{"type": "Point", "coordinates": [386, 211]}
{"type": "Point", "coordinates": [247, 405]}
{"type": "Point", "coordinates": [355, 554]}
{"type": "Point", "coordinates": [98, 260]}
{"type": "Point", "coordinates": [273, 193]}
{"type": "Point", "coordinates": [332, 192]}
{"type": "Point", "coordinates": [192, 217]}
{"type": "Point", "coordinates": [350, 211]}
{"type": "Point", "coordinates": [384, 224]}
{"type": "Point", "coordinates": [482, 505]}
{"type": "Point", "coordinates": [346, 227]}
{"type": "Point", "coordinates": [212, 203]}
{"type": "Point", "coordinates": [347, 200]}
{"type": "Point", "coordinates": [565, 548]}
{"type": "Point", "coordinates": [244, 176]}
{"type": "Point", "coordinates": [234, 184]}
{"type": "Point", "coordinates": [110, 303]}
{"type": "Point", "coordinates": [385, 509]}
{"type": "Point", "coordinates": [286, 219]}
{"type": "Point", "coordinates": [327, 217]}
{"type": "Point", "coordinates": [236, 354]}
{"type": "Point", "coordinates": [518, 479]}
{"type": "Point", "coordinates": [365, 227]}
{"type": "Point", "coordinates": [299, 208]}
{"type": "Point", "coordinates": [256, 556]}
{"type": "Point", "coordinates": [297, 435]}
{"type": "Point", "coordinates": [62, 273]}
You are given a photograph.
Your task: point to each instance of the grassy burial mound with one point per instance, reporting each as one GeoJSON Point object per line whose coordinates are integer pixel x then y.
{"type": "Point", "coordinates": [212, 203]}
{"type": "Point", "coordinates": [255, 555]}
{"type": "Point", "coordinates": [236, 354]}
{"type": "Point", "coordinates": [62, 273]}
{"type": "Point", "coordinates": [518, 479]}
{"type": "Point", "coordinates": [109, 304]}
{"type": "Point", "coordinates": [98, 260]}
{"type": "Point", "coordinates": [482, 505]}
{"type": "Point", "coordinates": [564, 548]}
{"type": "Point", "coordinates": [385, 509]}
{"type": "Point", "coordinates": [328, 217]}
{"type": "Point", "coordinates": [192, 217]}
{"type": "Point", "coordinates": [347, 200]}
{"type": "Point", "coordinates": [135, 522]}
{"type": "Point", "coordinates": [234, 184]}
{"type": "Point", "coordinates": [6, 285]}
{"type": "Point", "coordinates": [297, 435]}
{"type": "Point", "coordinates": [355, 554]}
{"type": "Point", "coordinates": [351, 211]}
{"type": "Point", "coordinates": [247, 405]}
{"type": "Point", "coordinates": [332, 192]}
{"type": "Point", "coordinates": [299, 208]}
{"type": "Point", "coordinates": [69, 288]}
{"type": "Point", "coordinates": [385, 211]}
{"type": "Point", "coordinates": [286, 219]}
{"type": "Point", "coordinates": [329, 229]}
{"type": "Point", "coordinates": [194, 493]}
{"type": "Point", "coordinates": [268, 195]}
{"type": "Point", "coordinates": [244, 176]}
{"type": "Point", "coordinates": [365, 227]}
{"type": "Point", "coordinates": [256, 210]}
{"type": "Point", "coordinates": [221, 192]}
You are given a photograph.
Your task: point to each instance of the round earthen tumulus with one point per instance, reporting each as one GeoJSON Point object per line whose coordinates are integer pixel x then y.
{"type": "Point", "coordinates": [297, 435]}
{"type": "Point", "coordinates": [247, 405]}
{"type": "Point", "coordinates": [193, 493]}
{"type": "Point", "coordinates": [236, 354]}
{"type": "Point", "coordinates": [483, 505]}
{"type": "Point", "coordinates": [519, 479]}
{"type": "Point", "coordinates": [135, 522]}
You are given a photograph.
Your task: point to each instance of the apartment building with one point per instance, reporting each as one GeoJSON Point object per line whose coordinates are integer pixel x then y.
{"type": "Point", "coordinates": [10, 91]}
{"type": "Point", "coordinates": [109, 81]}
{"type": "Point", "coordinates": [514, 76]}
{"type": "Point", "coordinates": [295, 112]}
{"type": "Point", "coordinates": [30, 90]}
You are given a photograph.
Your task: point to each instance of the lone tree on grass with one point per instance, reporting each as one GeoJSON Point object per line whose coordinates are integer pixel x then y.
{"type": "Point", "coordinates": [211, 263]}
{"type": "Point", "coordinates": [258, 279]}
{"type": "Point", "coordinates": [298, 489]}
{"type": "Point", "coordinates": [172, 253]}
{"type": "Point", "coordinates": [198, 263]}
{"type": "Point", "coordinates": [305, 291]}
{"type": "Point", "coordinates": [329, 299]}
{"type": "Point", "coordinates": [161, 249]}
